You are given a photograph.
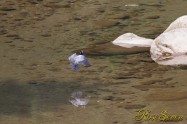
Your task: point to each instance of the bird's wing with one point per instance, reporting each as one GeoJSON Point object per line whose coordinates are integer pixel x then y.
{"type": "Point", "coordinates": [72, 58]}
{"type": "Point", "coordinates": [82, 60]}
{"type": "Point", "coordinates": [86, 63]}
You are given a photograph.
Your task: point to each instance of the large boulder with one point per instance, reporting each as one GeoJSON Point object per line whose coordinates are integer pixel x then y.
{"type": "Point", "coordinates": [129, 40]}
{"type": "Point", "coordinates": [170, 48]}
{"type": "Point", "coordinates": [180, 22]}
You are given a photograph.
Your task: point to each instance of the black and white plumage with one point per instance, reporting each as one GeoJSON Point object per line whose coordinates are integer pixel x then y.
{"type": "Point", "coordinates": [78, 59]}
{"type": "Point", "coordinates": [79, 100]}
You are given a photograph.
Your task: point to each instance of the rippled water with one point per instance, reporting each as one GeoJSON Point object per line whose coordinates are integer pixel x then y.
{"type": "Point", "coordinates": [37, 80]}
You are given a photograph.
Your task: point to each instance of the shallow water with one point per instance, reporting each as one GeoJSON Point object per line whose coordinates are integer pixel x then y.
{"type": "Point", "coordinates": [36, 80]}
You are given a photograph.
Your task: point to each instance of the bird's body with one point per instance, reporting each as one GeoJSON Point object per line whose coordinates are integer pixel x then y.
{"type": "Point", "coordinates": [77, 60]}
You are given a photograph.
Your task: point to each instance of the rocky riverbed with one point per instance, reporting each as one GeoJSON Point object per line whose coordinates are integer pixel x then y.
{"type": "Point", "coordinates": [36, 81]}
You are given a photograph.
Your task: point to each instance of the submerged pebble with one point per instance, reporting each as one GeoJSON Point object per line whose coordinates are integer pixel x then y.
{"type": "Point", "coordinates": [106, 23]}
{"type": "Point", "coordinates": [118, 16]}
{"type": "Point", "coordinates": [135, 106]}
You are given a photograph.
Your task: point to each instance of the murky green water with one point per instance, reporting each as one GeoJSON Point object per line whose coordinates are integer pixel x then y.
{"type": "Point", "coordinates": [36, 79]}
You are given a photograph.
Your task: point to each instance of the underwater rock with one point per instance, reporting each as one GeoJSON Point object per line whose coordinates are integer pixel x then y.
{"type": "Point", "coordinates": [106, 23]}
{"type": "Point", "coordinates": [118, 16]}
{"type": "Point", "coordinates": [132, 5]}
{"type": "Point", "coordinates": [153, 17]}
{"type": "Point", "coordinates": [135, 106]}
{"type": "Point", "coordinates": [6, 8]}
{"type": "Point", "coordinates": [170, 48]}
{"type": "Point", "coordinates": [109, 49]}
{"type": "Point", "coordinates": [129, 40]}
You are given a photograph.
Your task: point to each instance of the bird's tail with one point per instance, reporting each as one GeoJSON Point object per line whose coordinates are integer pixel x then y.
{"type": "Point", "coordinates": [75, 67]}
{"type": "Point", "coordinates": [87, 64]}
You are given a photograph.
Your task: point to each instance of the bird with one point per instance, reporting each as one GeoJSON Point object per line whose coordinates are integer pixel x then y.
{"type": "Point", "coordinates": [78, 59]}
{"type": "Point", "coordinates": [79, 100]}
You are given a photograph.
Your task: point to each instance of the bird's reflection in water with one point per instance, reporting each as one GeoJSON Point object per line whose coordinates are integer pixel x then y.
{"type": "Point", "coordinates": [79, 99]}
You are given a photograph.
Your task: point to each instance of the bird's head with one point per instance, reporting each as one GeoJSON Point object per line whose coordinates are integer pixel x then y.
{"type": "Point", "coordinates": [81, 52]}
